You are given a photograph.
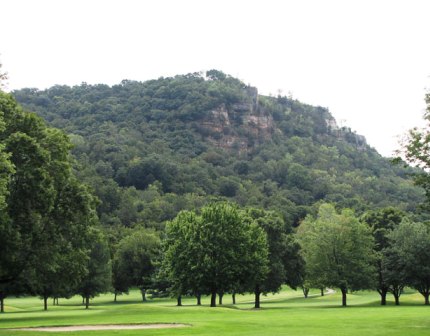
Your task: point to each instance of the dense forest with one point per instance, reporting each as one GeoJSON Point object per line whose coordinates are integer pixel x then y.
{"type": "Point", "coordinates": [150, 149]}
{"type": "Point", "coordinates": [203, 187]}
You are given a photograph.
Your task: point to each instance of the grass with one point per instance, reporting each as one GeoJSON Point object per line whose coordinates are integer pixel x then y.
{"type": "Point", "coordinates": [286, 313]}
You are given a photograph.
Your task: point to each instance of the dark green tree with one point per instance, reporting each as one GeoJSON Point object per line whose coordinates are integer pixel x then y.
{"type": "Point", "coordinates": [215, 253]}
{"type": "Point", "coordinates": [183, 264]}
{"type": "Point", "coordinates": [63, 256]}
{"type": "Point", "coordinates": [226, 253]}
{"type": "Point", "coordinates": [285, 262]}
{"type": "Point", "coordinates": [99, 272]}
{"type": "Point", "coordinates": [382, 222]}
{"type": "Point", "coordinates": [47, 212]}
{"type": "Point", "coordinates": [410, 248]}
{"type": "Point", "coordinates": [8, 237]}
{"type": "Point", "coordinates": [136, 259]}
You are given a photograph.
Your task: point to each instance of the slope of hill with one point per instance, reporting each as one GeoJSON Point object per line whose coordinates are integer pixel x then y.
{"type": "Point", "coordinates": [150, 149]}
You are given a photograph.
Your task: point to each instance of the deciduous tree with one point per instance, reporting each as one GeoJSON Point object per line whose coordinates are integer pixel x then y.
{"type": "Point", "coordinates": [215, 253]}
{"type": "Point", "coordinates": [338, 248]}
{"type": "Point", "coordinates": [410, 248]}
{"type": "Point", "coordinates": [382, 222]}
{"type": "Point", "coordinates": [99, 272]}
{"type": "Point", "coordinates": [135, 260]}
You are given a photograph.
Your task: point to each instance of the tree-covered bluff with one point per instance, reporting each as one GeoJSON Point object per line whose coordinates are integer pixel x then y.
{"type": "Point", "coordinates": [150, 149]}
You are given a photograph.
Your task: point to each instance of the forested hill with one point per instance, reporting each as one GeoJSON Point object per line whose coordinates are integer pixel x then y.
{"type": "Point", "coordinates": [150, 149]}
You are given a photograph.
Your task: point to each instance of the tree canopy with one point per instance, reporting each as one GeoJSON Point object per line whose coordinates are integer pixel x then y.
{"type": "Point", "coordinates": [338, 250]}
{"type": "Point", "coordinates": [46, 213]}
{"type": "Point", "coordinates": [220, 251]}
{"type": "Point", "coordinates": [151, 149]}
{"type": "Point", "coordinates": [135, 260]}
{"type": "Point", "coordinates": [410, 255]}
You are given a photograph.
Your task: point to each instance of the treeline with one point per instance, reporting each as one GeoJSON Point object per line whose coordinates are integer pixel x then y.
{"type": "Point", "coordinates": [223, 249]}
{"type": "Point", "coordinates": [227, 250]}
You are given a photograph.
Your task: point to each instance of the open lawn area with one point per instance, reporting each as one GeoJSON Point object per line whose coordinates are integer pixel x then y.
{"type": "Point", "coordinates": [286, 313]}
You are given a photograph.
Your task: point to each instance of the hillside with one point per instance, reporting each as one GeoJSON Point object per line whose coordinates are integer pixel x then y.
{"type": "Point", "coordinates": [150, 149]}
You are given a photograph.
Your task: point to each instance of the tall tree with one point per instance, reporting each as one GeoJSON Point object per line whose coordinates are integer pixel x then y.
{"type": "Point", "coordinates": [410, 245]}
{"type": "Point", "coordinates": [62, 258]}
{"type": "Point", "coordinates": [47, 211]}
{"type": "Point", "coordinates": [183, 263]}
{"type": "Point", "coordinates": [382, 222]}
{"type": "Point", "coordinates": [255, 262]}
{"type": "Point", "coordinates": [223, 247]}
{"type": "Point", "coordinates": [285, 261]}
{"type": "Point", "coordinates": [338, 248]}
{"type": "Point", "coordinates": [99, 271]}
{"type": "Point", "coordinates": [135, 260]}
{"type": "Point", "coordinates": [8, 237]}
{"type": "Point", "coordinates": [225, 233]}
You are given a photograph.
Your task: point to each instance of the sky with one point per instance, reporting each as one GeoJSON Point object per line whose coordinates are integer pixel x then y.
{"type": "Point", "coordinates": [368, 62]}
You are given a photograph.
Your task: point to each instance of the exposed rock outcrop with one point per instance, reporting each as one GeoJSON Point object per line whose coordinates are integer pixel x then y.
{"type": "Point", "coordinates": [240, 125]}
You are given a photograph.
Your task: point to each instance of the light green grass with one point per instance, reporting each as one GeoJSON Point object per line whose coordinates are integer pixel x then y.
{"type": "Point", "coordinates": [286, 313]}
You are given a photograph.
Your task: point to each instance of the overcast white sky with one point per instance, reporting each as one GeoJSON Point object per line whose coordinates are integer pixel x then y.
{"type": "Point", "coordinates": [367, 61]}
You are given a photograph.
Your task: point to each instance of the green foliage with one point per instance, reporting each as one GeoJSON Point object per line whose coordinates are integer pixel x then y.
{"type": "Point", "coordinates": [409, 255]}
{"type": "Point", "coordinates": [220, 251]}
{"type": "Point", "coordinates": [285, 262]}
{"type": "Point", "coordinates": [382, 222]}
{"type": "Point", "coordinates": [416, 152]}
{"type": "Point", "coordinates": [338, 250]}
{"type": "Point", "coordinates": [135, 260]}
{"type": "Point", "coordinates": [45, 212]}
{"type": "Point", "coordinates": [98, 265]}
{"type": "Point", "coordinates": [196, 136]}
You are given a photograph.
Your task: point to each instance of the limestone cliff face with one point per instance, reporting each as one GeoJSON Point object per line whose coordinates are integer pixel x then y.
{"type": "Point", "coordinates": [239, 126]}
{"type": "Point", "coordinates": [242, 125]}
{"type": "Point", "coordinates": [346, 133]}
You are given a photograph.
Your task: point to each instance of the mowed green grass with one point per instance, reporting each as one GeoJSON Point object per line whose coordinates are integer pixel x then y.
{"type": "Point", "coordinates": [286, 313]}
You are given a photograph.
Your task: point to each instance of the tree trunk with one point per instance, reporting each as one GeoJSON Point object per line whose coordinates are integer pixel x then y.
{"type": "Point", "coordinates": [179, 301]}
{"type": "Point", "coordinates": [83, 299]}
{"type": "Point", "coordinates": [257, 293]}
{"type": "Point", "coordinates": [383, 292]}
{"type": "Point", "coordinates": [45, 302]}
{"type": "Point", "coordinates": [397, 299]}
{"type": "Point", "coordinates": [199, 299]}
{"type": "Point", "coordinates": [322, 291]}
{"type": "Point", "coordinates": [396, 291]}
{"type": "Point", "coordinates": [344, 292]}
{"type": "Point", "coordinates": [114, 298]}
{"type": "Point", "coordinates": [220, 296]}
{"type": "Point", "coordinates": [2, 304]}
{"type": "Point", "coordinates": [87, 302]}
{"type": "Point", "coordinates": [233, 297]}
{"type": "Point", "coordinates": [213, 299]}
{"type": "Point", "coordinates": [143, 291]}
{"type": "Point", "coordinates": [426, 298]}
{"type": "Point", "coordinates": [305, 292]}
